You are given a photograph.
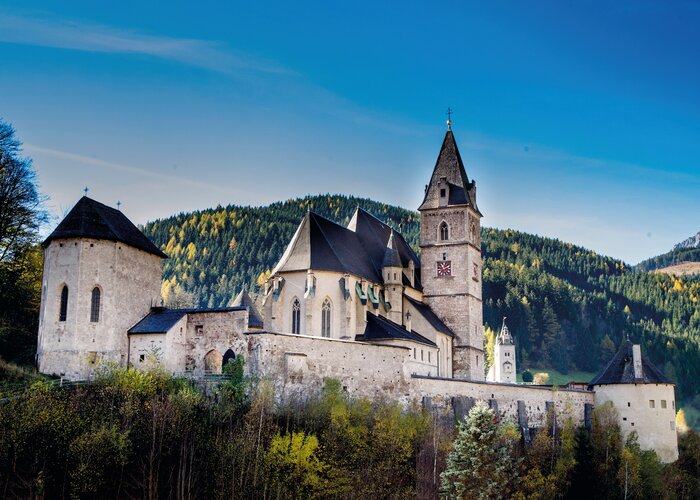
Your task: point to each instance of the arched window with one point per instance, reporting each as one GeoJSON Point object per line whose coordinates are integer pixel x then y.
{"type": "Point", "coordinates": [444, 231]}
{"type": "Point", "coordinates": [63, 312]}
{"type": "Point", "coordinates": [326, 318]}
{"type": "Point", "coordinates": [95, 305]}
{"type": "Point", "coordinates": [296, 316]}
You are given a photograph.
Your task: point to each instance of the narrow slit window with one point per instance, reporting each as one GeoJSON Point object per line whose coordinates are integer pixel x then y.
{"type": "Point", "coordinates": [63, 312]}
{"type": "Point", "coordinates": [95, 305]}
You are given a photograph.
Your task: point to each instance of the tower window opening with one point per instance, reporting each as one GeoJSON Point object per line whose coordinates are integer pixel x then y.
{"type": "Point", "coordinates": [652, 404]}
{"type": "Point", "coordinates": [444, 231]}
{"type": "Point", "coordinates": [95, 305]}
{"type": "Point", "coordinates": [326, 318]}
{"type": "Point", "coordinates": [663, 403]}
{"type": "Point", "coordinates": [443, 192]}
{"type": "Point", "coordinates": [63, 312]}
{"type": "Point", "coordinates": [296, 316]}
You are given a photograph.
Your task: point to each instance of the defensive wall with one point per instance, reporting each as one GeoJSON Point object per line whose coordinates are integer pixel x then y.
{"type": "Point", "coordinates": [299, 365]}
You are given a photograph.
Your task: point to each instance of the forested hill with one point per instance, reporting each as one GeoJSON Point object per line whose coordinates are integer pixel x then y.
{"type": "Point", "coordinates": [568, 307]}
{"type": "Point", "coordinates": [674, 257]}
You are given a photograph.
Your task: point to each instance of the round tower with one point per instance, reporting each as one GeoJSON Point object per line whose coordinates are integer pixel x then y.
{"type": "Point", "coordinates": [643, 396]}
{"type": "Point", "coordinates": [101, 276]}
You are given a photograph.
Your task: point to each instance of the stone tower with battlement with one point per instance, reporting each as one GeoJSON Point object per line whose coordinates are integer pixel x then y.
{"type": "Point", "coordinates": [451, 258]}
{"type": "Point", "coordinates": [101, 276]}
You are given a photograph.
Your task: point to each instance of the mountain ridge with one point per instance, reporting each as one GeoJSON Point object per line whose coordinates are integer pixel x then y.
{"type": "Point", "coordinates": [692, 242]}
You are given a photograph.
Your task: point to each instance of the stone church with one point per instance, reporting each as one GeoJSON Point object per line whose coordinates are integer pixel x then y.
{"type": "Point", "coordinates": [352, 303]}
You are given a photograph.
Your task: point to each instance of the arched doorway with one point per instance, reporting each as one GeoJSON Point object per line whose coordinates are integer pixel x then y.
{"type": "Point", "coordinates": [212, 361]}
{"type": "Point", "coordinates": [229, 355]}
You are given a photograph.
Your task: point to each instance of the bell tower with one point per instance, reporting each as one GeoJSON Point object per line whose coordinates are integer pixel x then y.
{"type": "Point", "coordinates": [451, 257]}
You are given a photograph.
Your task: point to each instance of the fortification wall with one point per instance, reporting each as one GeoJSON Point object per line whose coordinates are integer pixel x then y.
{"type": "Point", "coordinates": [299, 365]}
{"type": "Point", "coordinates": [526, 405]}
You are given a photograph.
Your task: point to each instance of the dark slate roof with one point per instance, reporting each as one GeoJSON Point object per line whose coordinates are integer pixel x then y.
{"type": "Point", "coordinates": [244, 300]}
{"type": "Point", "coordinates": [92, 219]}
{"type": "Point", "coordinates": [391, 254]}
{"type": "Point", "coordinates": [430, 316]}
{"type": "Point", "coordinates": [450, 166]}
{"type": "Point", "coordinates": [379, 328]}
{"type": "Point", "coordinates": [162, 319]}
{"type": "Point", "coordinates": [620, 370]}
{"type": "Point", "coordinates": [357, 249]}
{"type": "Point", "coordinates": [374, 235]}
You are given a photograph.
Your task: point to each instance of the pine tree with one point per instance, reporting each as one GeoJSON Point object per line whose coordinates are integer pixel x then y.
{"type": "Point", "coordinates": [481, 465]}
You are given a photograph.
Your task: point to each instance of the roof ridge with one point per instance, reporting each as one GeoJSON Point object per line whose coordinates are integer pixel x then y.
{"type": "Point", "coordinates": [328, 240]}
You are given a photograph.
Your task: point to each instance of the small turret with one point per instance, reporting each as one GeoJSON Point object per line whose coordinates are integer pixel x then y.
{"type": "Point", "coordinates": [504, 368]}
{"type": "Point", "coordinates": [392, 271]}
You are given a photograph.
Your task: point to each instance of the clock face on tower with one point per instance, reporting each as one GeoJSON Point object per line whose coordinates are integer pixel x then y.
{"type": "Point", "coordinates": [444, 268]}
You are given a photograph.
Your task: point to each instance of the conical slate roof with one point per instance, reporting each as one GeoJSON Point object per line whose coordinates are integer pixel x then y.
{"type": "Point", "coordinates": [91, 219]}
{"type": "Point", "coordinates": [620, 370]}
{"type": "Point", "coordinates": [391, 254]}
{"type": "Point", "coordinates": [450, 166]}
{"type": "Point", "coordinates": [244, 300]}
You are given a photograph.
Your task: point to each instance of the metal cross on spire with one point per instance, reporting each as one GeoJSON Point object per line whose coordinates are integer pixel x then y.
{"type": "Point", "coordinates": [85, 190]}
{"type": "Point", "coordinates": [449, 118]}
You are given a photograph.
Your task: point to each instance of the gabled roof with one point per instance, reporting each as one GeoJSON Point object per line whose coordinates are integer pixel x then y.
{"type": "Point", "coordinates": [91, 219]}
{"type": "Point", "coordinates": [244, 300]}
{"type": "Point", "coordinates": [161, 319]}
{"type": "Point", "coordinates": [449, 165]}
{"type": "Point", "coordinates": [379, 328]}
{"type": "Point", "coordinates": [432, 318]}
{"type": "Point", "coordinates": [620, 370]}
{"type": "Point", "coordinates": [358, 249]}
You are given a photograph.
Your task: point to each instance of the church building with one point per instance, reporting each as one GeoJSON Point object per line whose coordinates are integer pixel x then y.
{"type": "Point", "coordinates": [351, 303]}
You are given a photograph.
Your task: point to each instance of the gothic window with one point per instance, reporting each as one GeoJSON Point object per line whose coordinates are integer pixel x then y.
{"type": "Point", "coordinates": [444, 231]}
{"type": "Point", "coordinates": [326, 318]}
{"type": "Point", "coordinates": [64, 304]}
{"type": "Point", "coordinates": [95, 305]}
{"type": "Point", "coordinates": [296, 316]}
{"type": "Point", "coordinates": [472, 232]}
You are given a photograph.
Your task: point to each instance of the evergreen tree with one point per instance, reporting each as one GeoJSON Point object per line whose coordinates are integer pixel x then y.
{"type": "Point", "coordinates": [481, 464]}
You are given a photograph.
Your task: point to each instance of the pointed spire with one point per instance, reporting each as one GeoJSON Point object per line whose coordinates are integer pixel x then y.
{"type": "Point", "coordinates": [449, 177]}
{"type": "Point", "coordinates": [505, 337]}
{"type": "Point", "coordinates": [391, 254]}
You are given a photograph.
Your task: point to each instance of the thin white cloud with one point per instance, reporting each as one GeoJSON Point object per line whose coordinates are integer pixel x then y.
{"type": "Point", "coordinates": [95, 162]}
{"type": "Point", "coordinates": [89, 37]}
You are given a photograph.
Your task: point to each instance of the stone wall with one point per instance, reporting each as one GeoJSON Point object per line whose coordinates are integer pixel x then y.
{"type": "Point", "coordinates": [504, 399]}
{"type": "Point", "coordinates": [299, 365]}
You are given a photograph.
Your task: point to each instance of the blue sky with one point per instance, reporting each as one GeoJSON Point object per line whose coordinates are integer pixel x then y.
{"type": "Point", "coordinates": [578, 120]}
